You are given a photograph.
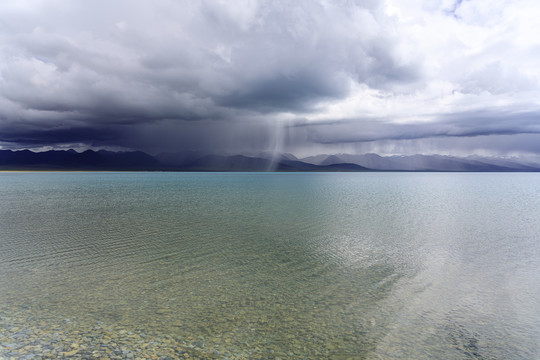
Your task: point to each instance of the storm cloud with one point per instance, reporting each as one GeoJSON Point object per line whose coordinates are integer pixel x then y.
{"type": "Point", "coordinates": [247, 76]}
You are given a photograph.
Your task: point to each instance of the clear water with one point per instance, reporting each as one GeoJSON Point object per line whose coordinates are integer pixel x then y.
{"type": "Point", "coordinates": [279, 265]}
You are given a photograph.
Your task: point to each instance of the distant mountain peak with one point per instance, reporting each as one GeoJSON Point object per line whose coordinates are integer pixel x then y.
{"type": "Point", "coordinates": [194, 161]}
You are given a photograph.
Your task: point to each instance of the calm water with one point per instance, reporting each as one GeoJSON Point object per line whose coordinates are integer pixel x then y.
{"type": "Point", "coordinates": [275, 265]}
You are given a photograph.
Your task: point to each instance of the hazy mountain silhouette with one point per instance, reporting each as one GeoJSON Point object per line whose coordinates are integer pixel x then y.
{"type": "Point", "coordinates": [424, 162]}
{"type": "Point", "coordinates": [245, 163]}
{"type": "Point", "coordinates": [194, 161]}
{"type": "Point", "coordinates": [179, 159]}
{"type": "Point", "coordinates": [136, 160]}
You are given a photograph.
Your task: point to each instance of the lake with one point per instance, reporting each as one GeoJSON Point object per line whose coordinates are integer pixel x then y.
{"type": "Point", "coordinates": [270, 265]}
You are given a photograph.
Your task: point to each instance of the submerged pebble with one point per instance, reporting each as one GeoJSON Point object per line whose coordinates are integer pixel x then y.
{"type": "Point", "coordinates": [24, 337]}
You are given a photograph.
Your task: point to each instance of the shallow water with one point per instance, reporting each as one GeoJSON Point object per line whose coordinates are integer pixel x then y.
{"type": "Point", "coordinates": [270, 265]}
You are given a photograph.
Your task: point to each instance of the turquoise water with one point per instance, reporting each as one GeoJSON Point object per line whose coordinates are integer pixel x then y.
{"type": "Point", "coordinates": [270, 265]}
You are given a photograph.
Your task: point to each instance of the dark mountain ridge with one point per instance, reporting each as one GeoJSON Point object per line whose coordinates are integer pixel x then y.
{"type": "Point", "coordinates": [102, 160]}
{"type": "Point", "coordinates": [72, 160]}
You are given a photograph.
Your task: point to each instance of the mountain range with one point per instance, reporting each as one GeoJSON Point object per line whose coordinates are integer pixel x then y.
{"type": "Point", "coordinates": [103, 160]}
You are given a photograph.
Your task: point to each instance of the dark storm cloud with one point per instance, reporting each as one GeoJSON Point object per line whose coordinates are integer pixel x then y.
{"type": "Point", "coordinates": [466, 124]}
{"type": "Point", "coordinates": [296, 92]}
{"type": "Point", "coordinates": [129, 62]}
{"type": "Point", "coordinates": [227, 76]}
{"type": "Point", "coordinates": [91, 136]}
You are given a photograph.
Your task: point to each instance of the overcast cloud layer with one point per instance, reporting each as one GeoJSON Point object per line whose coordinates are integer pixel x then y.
{"type": "Point", "coordinates": [308, 77]}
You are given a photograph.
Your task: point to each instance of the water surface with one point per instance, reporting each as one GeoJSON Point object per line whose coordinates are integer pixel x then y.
{"type": "Point", "coordinates": [271, 265]}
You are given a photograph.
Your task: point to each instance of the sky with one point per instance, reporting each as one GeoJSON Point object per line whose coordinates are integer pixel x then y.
{"type": "Point", "coordinates": [247, 76]}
